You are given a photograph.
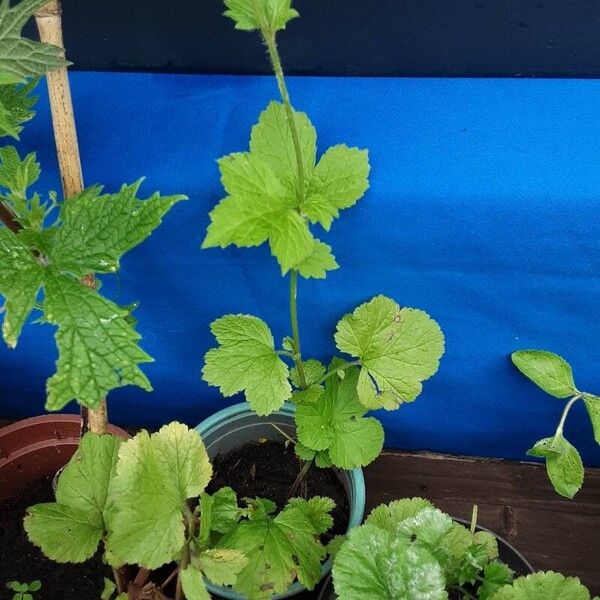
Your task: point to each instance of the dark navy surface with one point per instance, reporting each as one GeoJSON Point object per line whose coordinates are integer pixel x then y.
{"type": "Point", "coordinates": [483, 210]}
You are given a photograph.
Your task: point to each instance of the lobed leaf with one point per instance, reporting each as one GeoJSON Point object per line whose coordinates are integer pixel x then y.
{"type": "Point", "coordinates": [246, 360]}
{"type": "Point", "coordinates": [267, 15]}
{"type": "Point", "coordinates": [15, 107]}
{"type": "Point", "coordinates": [544, 586]}
{"type": "Point", "coordinates": [397, 348]}
{"type": "Point", "coordinates": [156, 475]}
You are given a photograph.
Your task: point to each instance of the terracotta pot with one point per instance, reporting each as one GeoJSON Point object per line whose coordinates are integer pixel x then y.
{"type": "Point", "coordinates": [33, 448]}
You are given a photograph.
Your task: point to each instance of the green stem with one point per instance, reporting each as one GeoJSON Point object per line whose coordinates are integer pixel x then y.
{"type": "Point", "coordinates": [327, 376]}
{"type": "Point", "coordinates": [295, 328]}
{"type": "Point", "coordinates": [565, 413]}
{"type": "Point", "coordinates": [185, 561]}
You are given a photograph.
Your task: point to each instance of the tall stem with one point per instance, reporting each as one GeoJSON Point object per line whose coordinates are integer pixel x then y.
{"type": "Point", "coordinates": [49, 23]}
{"type": "Point", "coordinates": [269, 38]}
{"type": "Point", "coordinates": [565, 413]}
{"type": "Point", "coordinates": [185, 561]}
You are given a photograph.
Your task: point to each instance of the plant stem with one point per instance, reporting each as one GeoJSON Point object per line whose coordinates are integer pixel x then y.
{"type": "Point", "coordinates": [295, 328]}
{"type": "Point", "coordinates": [284, 434]}
{"type": "Point", "coordinates": [185, 561]}
{"type": "Point", "coordinates": [305, 469]}
{"type": "Point", "coordinates": [118, 577]}
{"type": "Point", "coordinates": [8, 218]}
{"type": "Point", "coordinates": [335, 371]}
{"type": "Point", "coordinates": [49, 23]}
{"type": "Point", "coordinates": [565, 413]}
{"type": "Point", "coordinates": [474, 518]}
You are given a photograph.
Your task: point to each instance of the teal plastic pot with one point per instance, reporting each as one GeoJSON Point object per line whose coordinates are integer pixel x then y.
{"type": "Point", "coordinates": [233, 427]}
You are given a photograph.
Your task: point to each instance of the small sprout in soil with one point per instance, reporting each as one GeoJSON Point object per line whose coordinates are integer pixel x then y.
{"type": "Point", "coordinates": [24, 591]}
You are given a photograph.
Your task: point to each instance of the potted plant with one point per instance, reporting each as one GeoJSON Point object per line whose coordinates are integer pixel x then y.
{"type": "Point", "coordinates": [301, 413]}
{"type": "Point", "coordinates": [409, 549]}
{"type": "Point", "coordinates": [554, 375]}
{"type": "Point", "coordinates": [144, 501]}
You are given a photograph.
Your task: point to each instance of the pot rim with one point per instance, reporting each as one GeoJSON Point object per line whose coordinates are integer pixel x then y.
{"type": "Point", "coordinates": [356, 477]}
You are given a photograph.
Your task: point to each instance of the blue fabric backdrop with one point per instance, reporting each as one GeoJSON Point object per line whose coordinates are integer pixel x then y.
{"type": "Point", "coordinates": [483, 210]}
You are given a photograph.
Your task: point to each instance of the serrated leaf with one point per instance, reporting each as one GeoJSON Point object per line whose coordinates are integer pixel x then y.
{"type": "Point", "coordinates": [279, 549]}
{"type": "Point", "coordinates": [495, 576]}
{"type": "Point", "coordinates": [563, 464]}
{"type": "Point", "coordinates": [270, 15]}
{"type": "Point", "coordinates": [271, 141]}
{"type": "Point", "coordinates": [592, 404]}
{"type": "Point", "coordinates": [193, 584]}
{"type": "Point", "coordinates": [314, 371]}
{"type": "Point", "coordinates": [318, 262]}
{"type": "Point", "coordinates": [318, 510]}
{"type": "Point", "coordinates": [292, 243]}
{"type": "Point", "coordinates": [544, 586]}
{"type": "Point", "coordinates": [220, 565]}
{"type": "Point", "coordinates": [246, 361]}
{"type": "Point", "coordinates": [21, 58]}
{"type": "Point", "coordinates": [70, 529]}
{"type": "Point", "coordinates": [15, 107]}
{"type": "Point", "coordinates": [489, 542]}
{"type": "Point", "coordinates": [389, 516]}
{"type": "Point", "coordinates": [98, 349]}
{"type": "Point", "coordinates": [373, 564]}
{"type": "Point", "coordinates": [98, 229]}
{"type": "Point", "coordinates": [547, 370]}
{"type": "Point", "coordinates": [429, 526]}
{"type": "Point", "coordinates": [335, 422]}
{"type": "Point", "coordinates": [339, 180]}
{"type": "Point", "coordinates": [307, 396]}
{"type": "Point", "coordinates": [399, 348]}
{"type": "Point", "coordinates": [17, 174]}
{"type": "Point", "coordinates": [20, 280]}
{"type": "Point", "coordinates": [156, 475]}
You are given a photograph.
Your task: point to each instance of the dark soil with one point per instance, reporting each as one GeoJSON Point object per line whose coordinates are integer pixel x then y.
{"type": "Point", "coordinates": [268, 470]}
{"type": "Point", "coordinates": [22, 561]}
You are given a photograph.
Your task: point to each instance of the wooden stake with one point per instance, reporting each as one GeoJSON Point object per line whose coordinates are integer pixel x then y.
{"type": "Point", "coordinates": [49, 23]}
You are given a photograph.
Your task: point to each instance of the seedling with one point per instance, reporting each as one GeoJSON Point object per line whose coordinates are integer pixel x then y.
{"type": "Point", "coordinates": [410, 549]}
{"type": "Point", "coordinates": [554, 375]}
{"type": "Point", "coordinates": [148, 507]}
{"type": "Point", "coordinates": [275, 192]}
{"type": "Point", "coordinates": [24, 591]}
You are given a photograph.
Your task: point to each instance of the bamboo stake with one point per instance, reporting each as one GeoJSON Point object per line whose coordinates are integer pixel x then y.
{"type": "Point", "coordinates": [49, 23]}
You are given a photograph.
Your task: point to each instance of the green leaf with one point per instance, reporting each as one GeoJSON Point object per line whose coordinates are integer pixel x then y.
{"type": "Point", "coordinates": [389, 516]}
{"type": "Point", "coordinates": [193, 584]}
{"type": "Point", "coordinates": [279, 549]}
{"type": "Point", "coordinates": [429, 526]}
{"type": "Point", "coordinates": [544, 586]}
{"type": "Point", "coordinates": [156, 475]}
{"type": "Point", "coordinates": [563, 464]}
{"type": "Point", "coordinates": [307, 396]}
{"type": "Point", "coordinates": [70, 529]}
{"type": "Point", "coordinates": [398, 349]}
{"type": "Point", "coordinates": [314, 371]}
{"type": "Point", "coordinates": [489, 542]}
{"type": "Point", "coordinates": [21, 58]}
{"type": "Point", "coordinates": [98, 348]}
{"type": "Point", "coordinates": [547, 370]}
{"type": "Point", "coordinates": [495, 576]}
{"type": "Point", "coordinates": [373, 564]}
{"type": "Point", "coordinates": [17, 174]}
{"type": "Point", "coordinates": [318, 510]}
{"type": "Point", "coordinates": [335, 422]}
{"type": "Point", "coordinates": [246, 360]}
{"type": "Point", "coordinates": [303, 452]}
{"type": "Point", "coordinates": [592, 404]}
{"type": "Point", "coordinates": [292, 244]}
{"type": "Point", "coordinates": [268, 15]}
{"type": "Point", "coordinates": [318, 262]}
{"type": "Point", "coordinates": [219, 513]}
{"type": "Point", "coordinates": [221, 566]}
{"type": "Point", "coordinates": [98, 229]}
{"type": "Point", "coordinates": [20, 280]}
{"type": "Point", "coordinates": [271, 141]}
{"type": "Point", "coordinates": [15, 107]}
{"type": "Point", "coordinates": [339, 180]}
{"type": "Point", "coordinates": [35, 586]}
{"type": "Point", "coordinates": [108, 590]}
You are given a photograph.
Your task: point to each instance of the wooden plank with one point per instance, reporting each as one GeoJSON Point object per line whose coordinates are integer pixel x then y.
{"type": "Point", "coordinates": [515, 500]}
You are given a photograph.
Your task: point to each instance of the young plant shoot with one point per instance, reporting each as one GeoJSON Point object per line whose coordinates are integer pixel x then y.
{"type": "Point", "coordinates": [144, 500]}
{"type": "Point", "coordinates": [409, 549]}
{"type": "Point", "coordinates": [554, 375]}
{"type": "Point", "coordinates": [24, 591]}
{"type": "Point", "coordinates": [275, 192]}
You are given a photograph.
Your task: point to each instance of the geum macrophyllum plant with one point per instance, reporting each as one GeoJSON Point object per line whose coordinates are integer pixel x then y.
{"type": "Point", "coordinates": [410, 550]}
{"type": "Point", "coordinates": [144, 500]}
{"type": "Point", "coordinates": [277, 190]}
{"type": "Point", "coordinates": [554, 375]}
